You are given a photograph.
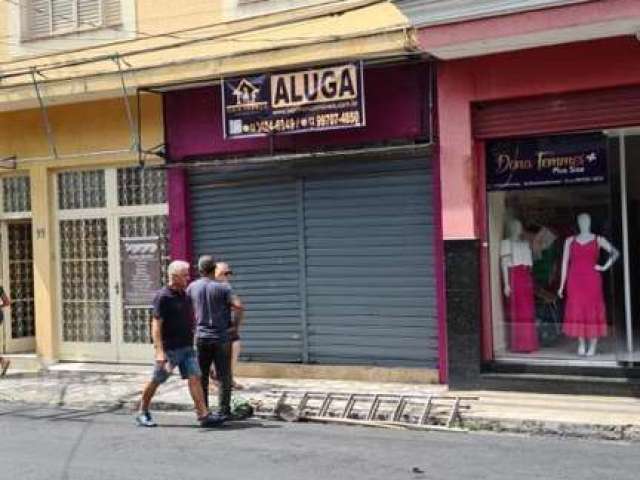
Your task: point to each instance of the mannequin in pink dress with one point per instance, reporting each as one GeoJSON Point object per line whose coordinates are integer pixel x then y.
{"type": "Point", "coordinates": [516, 261]}
{"type": "Point", "coordinates": [585, 315]}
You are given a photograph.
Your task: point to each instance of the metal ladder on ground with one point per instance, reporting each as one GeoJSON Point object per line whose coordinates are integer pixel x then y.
{"type": "Point", "coordinates": [425, 412]}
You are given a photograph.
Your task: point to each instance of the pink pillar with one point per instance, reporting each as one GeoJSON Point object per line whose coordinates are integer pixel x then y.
{"type": "Point", "coordinates": [457, 168]}
{"type": "Point", "coordinates": [179, 218]}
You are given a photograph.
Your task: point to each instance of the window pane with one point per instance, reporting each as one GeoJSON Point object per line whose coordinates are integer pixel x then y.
{"type": "Point", "coordinates": [141, 186]}
{"type": "Point", "coordinates": [81, 189]}
{"type": "Point", "coordinates": [16, 194]}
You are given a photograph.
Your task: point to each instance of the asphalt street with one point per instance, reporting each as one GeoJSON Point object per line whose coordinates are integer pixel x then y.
{"type": "Point", "coordinates": [47, 443]}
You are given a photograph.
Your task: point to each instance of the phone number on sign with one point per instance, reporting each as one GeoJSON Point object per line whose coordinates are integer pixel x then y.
{"type": "Point", "coordinates": [320, 120]}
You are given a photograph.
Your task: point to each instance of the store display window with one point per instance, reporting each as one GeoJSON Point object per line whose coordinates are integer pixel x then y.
{"type": "Point", "coordinates": [553, 247]}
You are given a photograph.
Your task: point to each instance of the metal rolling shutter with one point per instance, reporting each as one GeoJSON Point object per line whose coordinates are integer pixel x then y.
{"type": "Point", "coordinates": [567, 112]}
{"type": "Point", "coordinates": [254, 226]}
{"type": "Point", "coordinates": [338, 260]}
{"type": "Point", "coordinates": [370, 279]}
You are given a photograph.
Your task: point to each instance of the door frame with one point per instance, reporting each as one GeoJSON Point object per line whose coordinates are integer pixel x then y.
{"type": "Point", "coordinates": [114, 350]}
{"type": "Point", "coordinates": [9, 344]}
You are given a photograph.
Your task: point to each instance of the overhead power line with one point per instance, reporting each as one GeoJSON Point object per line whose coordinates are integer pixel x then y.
{"type": "Point", "coordinates": [222, 36]}
{"type": "Point", "coordinates": [179, 33]}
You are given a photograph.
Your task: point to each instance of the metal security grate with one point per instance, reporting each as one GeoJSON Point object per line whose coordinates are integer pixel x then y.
{"type": "Point", "coordinates": [16, 194]}
{"type": "Point", "coordinates": [136, 319]}
{"type": "Point", "coordinates": [138, 186]}
{"type": "Point", "coordinates": [84, 189]}
{"type": "Point", "coordinates": [21, 275]}
{"type": "Point", "coordinates": [85, 280]}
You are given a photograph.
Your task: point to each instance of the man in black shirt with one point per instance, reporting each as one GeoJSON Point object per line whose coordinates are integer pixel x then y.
{"type": "Point", "coordinates": [172, 334]}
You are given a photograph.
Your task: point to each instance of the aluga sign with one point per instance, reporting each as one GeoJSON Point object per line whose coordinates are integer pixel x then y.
{"type": "Point", "coordinates": [303, 100]}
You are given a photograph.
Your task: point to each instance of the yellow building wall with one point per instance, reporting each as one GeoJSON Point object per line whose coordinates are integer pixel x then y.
{"type": "Point", "coordinates": [160, 16]}
{"type": "Point", "coordinates": [4, 31]}
{"type": "Point", "coordinates": [78, 128]}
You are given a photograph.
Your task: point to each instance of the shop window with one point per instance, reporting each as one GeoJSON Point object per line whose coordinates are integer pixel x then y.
{"type": "Point", "coordinates": [141, 186]}
{"type": "Point", "coordinates": [554, 248]}
{"type": "Point", "coordinates": [49, 18]}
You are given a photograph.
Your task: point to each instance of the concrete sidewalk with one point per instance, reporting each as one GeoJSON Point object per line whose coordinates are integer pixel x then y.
{"type": "Point", "coordinates": [118, 386]}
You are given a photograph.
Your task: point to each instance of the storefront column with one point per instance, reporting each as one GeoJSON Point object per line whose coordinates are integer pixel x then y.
{"type": "Point", "coordinates": [179, 224]}
{"type": "Point", "coordinates": [43, 264]}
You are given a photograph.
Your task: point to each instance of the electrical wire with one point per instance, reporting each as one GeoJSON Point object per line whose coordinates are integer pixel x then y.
{"type": "Point", "coordinates": [223, 36]}
{"type": "Point", "coordinates": [176, 34]}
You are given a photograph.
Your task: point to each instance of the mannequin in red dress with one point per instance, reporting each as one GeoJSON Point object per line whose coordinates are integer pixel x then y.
{"type": "Point", "coordinates": [584, 314]}
{"type": "Point", "coordinates": [516, 261]}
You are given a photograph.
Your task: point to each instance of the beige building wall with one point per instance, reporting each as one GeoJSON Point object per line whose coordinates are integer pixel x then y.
{"type": "Point", "coordinates": [78, 129]}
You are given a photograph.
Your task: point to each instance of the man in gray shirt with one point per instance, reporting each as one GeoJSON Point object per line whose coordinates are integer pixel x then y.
{"type": "Point", "coordinates": [212, 303]}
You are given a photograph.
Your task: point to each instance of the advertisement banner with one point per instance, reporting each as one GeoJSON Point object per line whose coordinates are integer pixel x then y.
{"type": "Point", "coordinates": [141, 270]}
{"type": "Point", "coordinates": [299, 101]}
{"type": "Point", "coordinates": [546, 162]}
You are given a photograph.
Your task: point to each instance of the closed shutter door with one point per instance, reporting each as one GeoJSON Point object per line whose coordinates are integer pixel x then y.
{"type": "Point", "coordinates": [345, 249]}
{"type": "Point", "coordinates": [569, 112]}
{"type": "Point", "coordinates": [370, 279]}
{"type": "Point", "coordinates": [254, 226]}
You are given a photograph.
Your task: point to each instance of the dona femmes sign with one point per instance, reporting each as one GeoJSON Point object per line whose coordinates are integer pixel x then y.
{"type": "Point", "coordinates": [297, 101]}
{"type": "Point", "coordinates": [546, 162]}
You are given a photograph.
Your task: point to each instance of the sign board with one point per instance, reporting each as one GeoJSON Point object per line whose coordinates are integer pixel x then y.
{"type": "Point", "coordinates": [561, 160]}
{"type": "Point", "coordinates": [299, 101]}
{"type": "Point", "coordinates": [141, 270]}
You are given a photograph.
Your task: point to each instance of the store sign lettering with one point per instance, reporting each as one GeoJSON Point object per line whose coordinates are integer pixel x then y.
{"type": "Point", "coordinates": [302, 88]}
{"type": "Point", "coordinates": [546, 161]}
{"type": "Point", "coordinates": [305, 100]}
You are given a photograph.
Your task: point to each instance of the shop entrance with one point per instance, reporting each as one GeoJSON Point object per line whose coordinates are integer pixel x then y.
{"type": "Point", "coordinates": [96, 210]}
{"type": "Point", "coordinates": [627, 145]}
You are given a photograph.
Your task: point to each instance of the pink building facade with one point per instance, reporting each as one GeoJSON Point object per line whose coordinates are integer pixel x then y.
{"type": "Point", "coordinates": [527, 86]}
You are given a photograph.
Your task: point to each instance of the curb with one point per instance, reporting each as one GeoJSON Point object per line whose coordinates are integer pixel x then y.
{"type": "Point", "coordinates": [625, 433]}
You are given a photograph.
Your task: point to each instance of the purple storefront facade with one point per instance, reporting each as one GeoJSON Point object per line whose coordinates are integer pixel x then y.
{"type": "Point", "coordinates": [379, 170]}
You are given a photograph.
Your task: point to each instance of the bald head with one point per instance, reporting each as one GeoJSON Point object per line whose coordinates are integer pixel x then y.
{"type": "Point", "coordinates": [223, 272]}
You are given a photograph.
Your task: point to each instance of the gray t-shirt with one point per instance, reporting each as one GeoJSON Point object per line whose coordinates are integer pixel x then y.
{"type": "Point", "coordinates": [212, 307]}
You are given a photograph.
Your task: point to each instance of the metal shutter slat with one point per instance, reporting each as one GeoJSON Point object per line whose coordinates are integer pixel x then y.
{"type": "Point", "coordinates": [387, 221]}
{"type": "Point", "coordinates": [255, 228]}
{"type": "Point", "coordinates": [578, 111]}
{"type": "Point", "coordinates": [363, 222]}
